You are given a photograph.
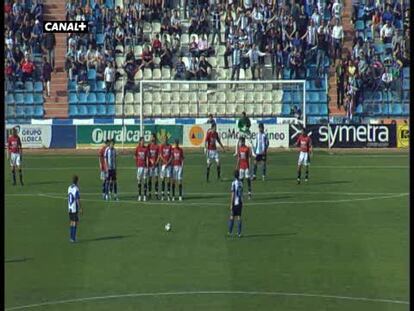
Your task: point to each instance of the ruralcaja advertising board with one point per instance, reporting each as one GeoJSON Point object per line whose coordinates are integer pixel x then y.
{"type": "Point", "coordinates": [348, 135]}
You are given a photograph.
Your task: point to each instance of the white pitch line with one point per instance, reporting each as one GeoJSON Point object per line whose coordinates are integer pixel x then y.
{"type": "Point", "coordinates": [221, 204]}
{"type": "Point", "coordinates": [192, 293]}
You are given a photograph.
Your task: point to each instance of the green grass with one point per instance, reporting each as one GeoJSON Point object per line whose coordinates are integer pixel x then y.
{"type": "Point", "coordinates": [345, 233]}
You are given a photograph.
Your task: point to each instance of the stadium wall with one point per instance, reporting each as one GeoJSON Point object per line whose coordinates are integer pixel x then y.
{"type": "Point", "coordinates": [193, 135]}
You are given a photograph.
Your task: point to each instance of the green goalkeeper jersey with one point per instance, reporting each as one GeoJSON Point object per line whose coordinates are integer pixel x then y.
{"type": "Point", "coordinates": [244, 125]}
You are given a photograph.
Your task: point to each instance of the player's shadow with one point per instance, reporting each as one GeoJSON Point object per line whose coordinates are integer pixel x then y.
{"type": "Point", "coordinates": [16, 260]}
{"type": "Point", "coordinates": [269, 235]}
{"type": "Point", "coordinates": [105, 238]}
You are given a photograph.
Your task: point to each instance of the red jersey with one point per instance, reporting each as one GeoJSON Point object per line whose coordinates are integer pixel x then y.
{"type": "Point", "coordinates": [14, 144]}
{"type": "Point", "coordinates": [178, 156]}
{"type": "Point", "coordinates": [212, 138]}
{"type": "Point", "coordinates": [165, 153]}
{"type": "Point", "coordinates": [304, 143]}
{"type": "Point", "coordinates": [153, 152]}
{"type": "Point", "coordinates": [141, 155]}
{"type": "Point", "coordinates": [244, 155]}
{"type": "Point", "coordinates": [101, 154]}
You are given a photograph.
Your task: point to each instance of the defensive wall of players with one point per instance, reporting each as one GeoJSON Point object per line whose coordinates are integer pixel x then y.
{"type": "Point", "coordinates": [193, 135]}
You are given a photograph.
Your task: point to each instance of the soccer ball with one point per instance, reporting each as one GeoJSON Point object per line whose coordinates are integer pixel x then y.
{"type": "Point", "coordinates": [168, 227]}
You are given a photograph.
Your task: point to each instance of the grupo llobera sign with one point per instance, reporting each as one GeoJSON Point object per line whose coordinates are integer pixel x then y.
{"type": "Point", "coordinates": [32, 136]}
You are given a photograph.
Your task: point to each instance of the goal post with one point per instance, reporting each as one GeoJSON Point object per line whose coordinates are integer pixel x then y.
{"type": "Point", "coordinates": [197, 99]}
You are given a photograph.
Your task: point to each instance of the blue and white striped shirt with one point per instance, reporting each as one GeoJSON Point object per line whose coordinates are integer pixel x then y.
{"type": "Point", "coordinates": [110, 156]}
{"type": "Point", "coordinates": [237, 189]}
{"type": "Point", "coordinates": [73, 197]}
{"type": "Point", "coordinates": [261, 144]}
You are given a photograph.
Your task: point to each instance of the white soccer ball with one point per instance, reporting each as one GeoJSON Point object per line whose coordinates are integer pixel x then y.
{"type": "Point", "coordinates": [168, 227]}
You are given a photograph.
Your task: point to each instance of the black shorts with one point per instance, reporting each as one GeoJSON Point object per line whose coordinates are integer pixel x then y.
{"type": "Point", "coordinates": [236, 210]}
{"type": "Point", "coordinates": [111, 174]}
{"type": "Point", "coordinates": [73, 217]}
{"type": "Point", "coordinates": [261, 157]}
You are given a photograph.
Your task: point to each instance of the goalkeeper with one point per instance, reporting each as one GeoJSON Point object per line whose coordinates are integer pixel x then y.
{"type": "Point", "coordinates": [244, 125]}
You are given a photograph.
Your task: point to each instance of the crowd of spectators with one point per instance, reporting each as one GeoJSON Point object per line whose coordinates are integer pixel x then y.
{"type": "Point", "coordinates": [367, 68]}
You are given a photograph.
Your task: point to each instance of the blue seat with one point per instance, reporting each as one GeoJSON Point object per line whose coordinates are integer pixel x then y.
{"type": "Point", "coordinates": [359, 109]}
{"type": "Point", "coordinates": [296, 97]}
{"type": "Point", "coordinates": [38, 87]}
{"type": "Point", "coordinates": [18, 99]}
{"type": "Point", "coordinates": [376, 96]}
{"type": "Point", "coordinates": [9, 99]}
{"type": "Point", "coordinates": [110, 98]}
{"type": "Point", "coordinates": [406, 84]}
{"type": "Point", "coordinates": [100, 98]}
{"type": "Point", "coordinates": [396, 109]}
{"type": "Point", "coordinates": [28, 99]}
{"type": "Point", "coordinates": [92, 74]}
{"type": "Point", "coordinates": [101, 111]}
{"type": "Point", "coordinates": [73, 110]}
{"type": "Point", "coordinates": [73, 99]}
{"type": "Point", "coordinates": [38, 111]}
{"type": "Point", "coordinates": [323, 98]}
{"type": "Point", "coordinates": [406, 109]}
{"type": "Point", "coordinates": [285, 109]}
{"type": "Point", "coordinates": [92, 85]}
{"type": "Point", "coordinates": [92, 110]}
{"type": "Point", "coordinates": [110, 110]}
{"type": "Point", "coordinates": [10, 112]}
{"type": "Point", "coordinates": [82, 98]}
{"type": "Point", "coordinates": [359, 25]}
{"type": "Point", "coordinates": [29, 111]}
{"type": "Point", "coordinates": [100, 39]}
{"type": "Point", "coordinates": [311, 72]}
{"type": "Point", "coordinates": [406, 72]}
{"type": "Point", "coordinates": [82, 111]}
{"type": "Point", "coordinates": [38, 99]}
{"type": "Point", "coordinates": [100, 86]}
{"type": "Point", "coordinates": [323, 109]}
{"type": "Point", "coordinates": [92, 98]}
{"type": "Point", "coordinates": [71, 86]}
{"type": "Point", "coordinates": [379, 48]}
{"type": "Point", "coordinates": [287, 97]}
{"type": "Point", "coordinates": [314, 97]}
{"type": "Point", "coordinates": [20, 112]}
{"type": "Point", "coordinates": [28, 86]}
{"type": "Point", "coordinates": [109, 4]}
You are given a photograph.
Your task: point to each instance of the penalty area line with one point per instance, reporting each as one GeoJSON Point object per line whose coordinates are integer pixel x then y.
{"type": "Point", "coordinates": [193, 293]}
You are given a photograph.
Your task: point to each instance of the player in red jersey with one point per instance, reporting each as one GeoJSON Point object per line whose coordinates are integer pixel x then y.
{"type": "Point", "coordinates": [304, 143]}
{"type": "Point", "coordinates": [102, 167]}
{"type": "Point", "coordinates": [15, 153]}
{"type": "Point", "coordinates": [210, 146]}
{"type": "Point", "coordinates": [244, 153]}
{"type": "Point", "coordinates": [165, 157]}
{"type": "Point", "coordinates": [153, 165]}
{"type": "Point", "coordinates": [177, 163]}
{"type": "Point", "coordinates": [141, 161]}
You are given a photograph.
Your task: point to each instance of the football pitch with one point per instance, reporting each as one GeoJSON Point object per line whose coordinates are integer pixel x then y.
{"type": "Point", "coordinates": [338, 242]}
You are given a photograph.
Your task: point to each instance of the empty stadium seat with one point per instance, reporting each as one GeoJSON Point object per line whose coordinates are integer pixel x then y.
{"type": "Point", "coordinates": [38, 87]}
{"type": "Point", "coordinates": [82, 98]}
{"type": "Point", "coordinates": [28, 99]}
{"type": "Point", "coordinates": [285, 109]}
{"type": "Point", "coordinates": [91, 98]}
{"type": "Point", "coordinates": [9, 99]}
{"type": "Point", "coordinates": [28, 86]}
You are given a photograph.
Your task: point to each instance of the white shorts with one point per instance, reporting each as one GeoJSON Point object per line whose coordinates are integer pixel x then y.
{"type": "Point", "coordinates": [244, 173]}
{"type": "Point", "coordinates": [15, 159]}
{"type": "Point", "coordinates": [303, 158]}
{"type": "Point", "coordinates": [212, 155]}
{"type": "Point", "coordinates": [165, 171]}
{"type": "Point", "coordinates": [141, 173]}
{"type": "Point", "coordinates": [153, 171]}
{"type": "Point", "coordinates": [177, 172]}
{"type": "Point", "coordinates": [104, 175]}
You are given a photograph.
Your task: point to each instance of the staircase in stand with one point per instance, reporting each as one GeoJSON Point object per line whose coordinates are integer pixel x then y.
{"type": "Point", "coordinates": [348, 41]}
{"type": "Point", "coordinates": [56, 106]}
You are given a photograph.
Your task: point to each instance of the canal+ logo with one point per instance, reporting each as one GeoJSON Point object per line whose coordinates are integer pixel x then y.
{"type": "Point", "coordinates": [65, 26]}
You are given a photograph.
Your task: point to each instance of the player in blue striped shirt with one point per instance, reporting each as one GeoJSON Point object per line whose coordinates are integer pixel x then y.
{"type": "Point", "coordinates": [110, 160]}
{"type": "Point", "coordinates": [236, 204]}
{"type": "Point", "coordinates": [260, 150]}
{"type": "Point", "coordinates": [74, 207]}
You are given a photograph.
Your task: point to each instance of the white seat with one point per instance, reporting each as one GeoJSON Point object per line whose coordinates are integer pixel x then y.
{"type": "Point", "coordinates": [202, 87]}
{"type": "Point", "coordinates": [175, 97]}
{"type": "Point", "coordinates": [156, 74]}
{"type": "Point", "coordinates": [119, 3]}
{"type": "Point", "coordinates": [249, 86]}
{"type": "Point", "coordinates": [239, 108]}
{"type": "Point", "coordinates": [258, 97]}
{"type": "Point", "coordinates": [165, 74]}
{"type": "Point", "coordinates": [192, 110]}
{"type": "Point", "coordinates": [221, 97]}
{"type": "Point", "coordinates": [137, 98]}
{"type": "Point", "coordinates": [156, 110]}
{"type": "Point", "coordinates": [267, 97]}
{"type": "Point", "coordinates": [248, 74]}
{"type": "Point", "coordinates": [202, 97]}
{"type": "Point", "coordinates": [184, 39]}
{"type": "Point", "coordinates": [156, 27]}
{"type": "Point", "coordinates": [240, 97]}
{"type": "Point", "coordinates": [166, 87]}
{"type": "Point", "coordinates": [230, 97]}
{"type": "Point", "coordinates": [120, 60]}
{"type": "Point", "coordinates": [184, 97]}
{"type": "Point", "coordinates": [277, 96]}
{"type": "Point", "coordinates": [147, 110]}
{"type": "Point", "coordinates": [147, 98]}
{"type": "Point", "coordinates": [156, 97]}
{"type": "Point", "coordinates": [250, 108]}
{"type": "Point", "coordinates": [267, 109]}
{"type": "Point", "coordinates": [277, 109]}
{"type": "Point", "coordinates": [118, 86]}
{"type": "Point", "coordinates": [165, 98]}
{"type": "Point", "coordinates": [212, 61]}
{"type": "Point", "coordinates": [184, 110]}
{"type": "Point", "coordinates": [268, 87]}
{"type": "Point", "coordinates": [175, 87]}
{"type": "Point", "coordinates": [258, 110]}
{"type": "Point", "coordinates": [118, 110]}
{"type": "Point", "coordinates": [138, 51]}
{"type": "Point", "coordinates": [258, 87]}
{"type": "Point", "coordinates": [138, 75]}
{"type": "Point", "coordinates": [212, 108]}
{"type": "Point", "coordinates": [129, 98]}
{"type": "Point", "coordinates": [221, 50]}
{"type": "Point", "coordinates": [137, 110]}
{"type": "Point", "coordinates": [211, 98]}
{"type": "Point", "coordinates": [249, 97]}
{"type": "Point", "coordinates": [193, 97]}
{"type": "Point", "coordinates": [221, 109]}
{"type": "Point", "coordinates": [220, 61]}
{"type": "Point", "coordinates": [184, 87]}
{"type": "Point", "coordinates": [147, 27]}
{"type": "Point", "coordinates": [157, 60]}
{"type": "Point", "coordinates": [119, 48]}
{"type": "Point", "coordinates": [147, 74]}
{"type": "Point", "coordinates": [242, 74]}
{"type": "Point", "coordinates": [175, 110]}
{"type": "Point", "coordinates": [119, 98]}
{"type": "Point", "coordinates": [222, 74]}
{"type": "Point", "coordinates": [203, 109]}
{"type": "Point", "coordinates": [230, 109]}
{"type": "Point", "coordinates": [129, 110]}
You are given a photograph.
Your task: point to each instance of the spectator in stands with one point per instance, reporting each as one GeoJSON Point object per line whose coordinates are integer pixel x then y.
{"type": "Point", "coordinates": [340, 82]}
{"type": "Point", "coordinates": [49, 44]}
{"type": "Point", "coordinates": [236, 59]}
{"type": "Point", "coordinates": [180, 69]}
{"type": "Point", "coordinates": [36, 40]}
{"type": "Point", "coordinates": [120, 36]}
{"type": "Point", "coordinates": [9, 72]}
{"type": "Point", "coordinates": [175, 24]}
{"type": "Point", "coordinates": [278, 63]}
{"type": "Point", "coordinates": [91, 61]}
{"type": "Point", "coordinates": [156, 45]}
{"type": "Point", "coordinates": [18, 55]}
{"type": "Point", "coordinates": [227, 54]}
{"type": "Point", "coordinates": [26, 32]}
{"type": "Point", "coordinates": [338, 38]}
{"type": "Point", "coordinates": [28, 68]}
{"type": "Point", "coordinates": [337, 10]}
{"type": "Point", "coordinates": [193, 47]}
{"type": "Point", "coordinates": [203, 48]}
{"type": "Point", "coordinates": [321, 50]}
{"type": "Point", "coordinates": [376, 23]}
{"type": "Point", "coordinates": [109, 75]}
{"type": "Point", "coordinates": [203, 25]}
{"type": "Point", "coordinates": [47, 75]}
{"type": "Point", "coordinates": [204, 68]}
{"type": "Point", "coordinates": [166, 56]}
{"type": "Point", "coordinates": [296, 63]}
{"type": "Point", "coordinates": [147, 59]}
{"type": "Point", "coordinates": [216, 24]}
{"type": "Point", "coordinates": [387, 32]}
{"type": "Point", "coordinates": [194, 22]}
{"type": "Point", "coordinates": [296, 112]}
{"type": "Point", "coordinates": [192, 72]}
{"type": "Point", "coordinates": [255, 67]}
{"type": "Point", "coordinates": [82, 83]}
